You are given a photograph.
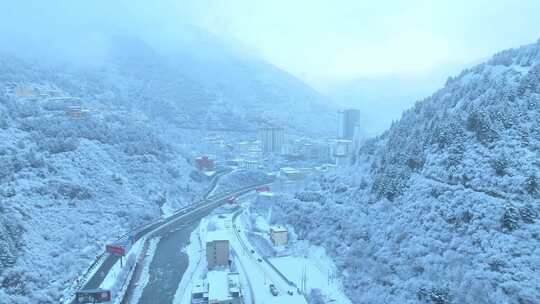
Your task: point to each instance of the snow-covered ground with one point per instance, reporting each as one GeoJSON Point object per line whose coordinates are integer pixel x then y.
{"type": "Point", "coordinates": [256, 274]}
{"type": "Point", "coordinates": [197, 264]}
{"type": "Point", "coordinates": [145, 275]}
{"type": "Point", "coordinates": [118, 277]}
{"type": "Point", "coordinates": [318, 270]}
{"type": "Point", "coordinates": [303, 260]}
{"type": "Point", "coordinates": [117, 271]}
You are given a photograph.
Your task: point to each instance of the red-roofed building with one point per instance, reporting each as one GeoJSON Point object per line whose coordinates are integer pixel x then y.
{"type": "Point", "coordinates": [204, 163]}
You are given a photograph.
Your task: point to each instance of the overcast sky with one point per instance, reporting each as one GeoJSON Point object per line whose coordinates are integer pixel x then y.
{"type": "Point", "coordinates": [319, 41]}
{"type": "Point", "coordinates": [343, 39]}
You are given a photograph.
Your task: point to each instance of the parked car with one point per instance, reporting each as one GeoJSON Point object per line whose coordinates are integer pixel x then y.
{"type": "Point", "coordinates": [273, 290]}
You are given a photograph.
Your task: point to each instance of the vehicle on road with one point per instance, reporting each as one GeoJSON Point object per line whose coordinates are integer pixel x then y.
{"type": "Point", "coordinates": [93, 296]}
{"type": "Point", "coordinates": [259, 259]}
{"type": "Point", "coordinates": [273, 290]}
{"type": "Point", "coordinates": [263, 189]}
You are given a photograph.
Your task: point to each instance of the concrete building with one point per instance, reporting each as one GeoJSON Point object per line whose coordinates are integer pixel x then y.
{"type": "Point", "coordinates": [248, 164]}
{"type": "Point", "coordinates": [348, 120]}
{"type": "Point", "coordinates": [291, 173]}
{"type": "Point", "coordinates": [76, 112]}
{"type": "Point", "coordinates": [279, 235]}
{"type": "Point", "coordinates": [223, 288]}
{"type": "Point", "coordinates": [272, 139]}
{"type": "Point", "coordinates": [301, 149]}
{"type": "Point", "coordinates": [342, 147]}
{"type": "Point", "coordinates": [219, 287]}
{"type": "Point", "coordinates": [217, 249]}
{"type": "Point", "coordinates": [25, 90]}
{"type": "Point", "coordinates": [204, 163]}
{"type": "Point", "coordinates": [324, 168]}
{"type": "Point", "coordinates": [342, 152]}
{"type": "Point", "coordinates": [319, 152]}
{"type": "Point", "coordinates": [199, 292]}
{"type": "Point", "coordinates": [265, 197]}
{"type": "Point", "coordinates": [244, 163]}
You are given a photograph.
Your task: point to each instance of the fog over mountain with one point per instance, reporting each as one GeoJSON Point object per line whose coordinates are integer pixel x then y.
{"type": "Point", "coordinates": [172, 62]}
{"type": "Point", "coordinates": [383, 100]}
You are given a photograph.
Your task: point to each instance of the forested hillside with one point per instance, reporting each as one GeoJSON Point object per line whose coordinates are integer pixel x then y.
{"type": "Point", "coordinates": [69, 184]}
{"type": "Point", "coordinates": [444, 206]}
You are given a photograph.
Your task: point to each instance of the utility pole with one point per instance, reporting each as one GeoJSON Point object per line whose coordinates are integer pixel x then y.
{"type": "Point", "coordinates": [329, 280]}
{"type": "Point", "coordinates": [303, 282]}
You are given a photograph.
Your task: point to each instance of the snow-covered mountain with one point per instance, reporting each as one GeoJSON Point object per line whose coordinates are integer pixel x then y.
{"type": "Point", "coordinates": [70, 183]}
{"type": "Point", "coordinates": [202, 82]}
{"type": "Point", "coordinates": [444, 206]}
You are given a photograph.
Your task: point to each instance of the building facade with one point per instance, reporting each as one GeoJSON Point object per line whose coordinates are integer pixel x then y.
{"type": "Point", "coordinates": [291, 173]}
{"type": "Point", "coordinates": [272, 139]}
{"type": "Point", "coordinates": [279, 235]}
{"type": "Point", "coordinates": [248, 164]}
{"type": "Point", "coordinates": [204, 163]}
{"type": "Point", "coordinates": [348, 121]}
{"type": "Point", "coordinates": [342, 152]}
{"type": "Point", "coordinates": [217, 250]}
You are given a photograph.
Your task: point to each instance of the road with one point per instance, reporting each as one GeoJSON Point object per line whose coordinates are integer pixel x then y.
{"type": "Point", "coordinates": [169, 262]}
{"type": "Point", "coordinates": [109, 261]}
{"type": "Point", "coordinates": [157, 228]}
{"type": "Point", "coordinates": [174, 229]}
{"type": "Point", "coordinates": [257, 260]}
{"type": "Point", "coordinates": [260, 272]}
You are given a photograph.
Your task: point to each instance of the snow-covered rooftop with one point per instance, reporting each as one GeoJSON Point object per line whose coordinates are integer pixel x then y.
{"type": "Point", "coordinates": [234, 282]}
{"type": "Point", "coordinates": [218, 286]}
{"type": "Point", "coordinates": [289, 170]}
{"type": "Point", "coordinates": [209, 173]}
{"type": "Point", "coordinates": [217, 235]}
{"type": "Point", "coordinates": [266, 193]}
{"type": "Point", "coordinates": [278, 228]}
{"type": "Point", "coordinates": [199, 287]}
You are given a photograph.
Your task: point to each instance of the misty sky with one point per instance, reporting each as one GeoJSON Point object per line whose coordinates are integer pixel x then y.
{"type": "Point", "coordinates": [319, 41]}
{"type": "Point", "coordinates": [328, 40]}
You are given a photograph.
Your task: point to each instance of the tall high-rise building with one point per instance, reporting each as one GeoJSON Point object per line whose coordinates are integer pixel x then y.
{"type": "Point", "coordinates": [348, 120]}
{"type": "Point", "coordinates": [272, 139]}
